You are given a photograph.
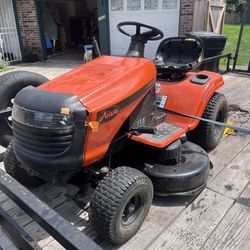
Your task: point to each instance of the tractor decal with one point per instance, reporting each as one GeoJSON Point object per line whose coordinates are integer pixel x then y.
{"type": "Point", "coordinates": [110, 113]}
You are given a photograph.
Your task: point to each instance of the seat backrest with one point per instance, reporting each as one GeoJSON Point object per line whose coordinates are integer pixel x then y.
{"type": "Point", "coordinates": [179, 53]}
{"type": "Point", "coordinates": [173, 53]}
{"type": "Point", "coordinates": [190, 52]}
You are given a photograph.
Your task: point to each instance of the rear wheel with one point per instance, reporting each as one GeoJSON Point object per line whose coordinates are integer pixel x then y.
{"type": "Point", "coordinates": [120, 204]}
{"type": "Point", "coordinates": [209, 135]}
{"type": "Point", "coordinates": [11, 166]}
{"type": "Point", "coordinates": [10, 84]}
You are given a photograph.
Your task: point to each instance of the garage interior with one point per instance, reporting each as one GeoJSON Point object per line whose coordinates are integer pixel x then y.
{"type": "Point", "coordinates": [68, 25]}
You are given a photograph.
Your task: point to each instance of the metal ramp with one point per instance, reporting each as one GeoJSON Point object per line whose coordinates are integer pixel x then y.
{"type": "Point", "coordinates": [58, 227]}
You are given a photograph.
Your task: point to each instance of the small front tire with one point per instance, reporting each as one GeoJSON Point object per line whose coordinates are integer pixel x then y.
{"type": "Point", "coordinates": [10, 84]}
{"type": "Point", "coordinates": [120, 204]}
{"type": "Point", "coordinates": [12, 168]}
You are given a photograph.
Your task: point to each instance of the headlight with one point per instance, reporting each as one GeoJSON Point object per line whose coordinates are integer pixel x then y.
{"type": "Point", "coordinates": [40, 119]}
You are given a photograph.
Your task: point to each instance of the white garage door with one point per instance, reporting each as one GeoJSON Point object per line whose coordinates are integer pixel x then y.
{"type": "Point", "coordinates": [162, 14]}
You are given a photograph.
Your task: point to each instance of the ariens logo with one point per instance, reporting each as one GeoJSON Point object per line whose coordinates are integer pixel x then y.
{"type": "Point", "coordinates": [108, 114]}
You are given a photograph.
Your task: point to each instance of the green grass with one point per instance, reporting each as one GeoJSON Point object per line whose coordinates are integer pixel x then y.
{"type": "Point", "coordinates": [4, 65]}
{"type": "Point", "coordinates": [232, 32]}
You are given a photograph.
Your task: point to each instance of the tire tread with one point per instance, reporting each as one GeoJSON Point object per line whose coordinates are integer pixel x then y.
{"type": "Point", "coordinates": [201, 135]}
{"type": "Point", "coordinates": [107, 198]}
{"type": "Point", "coordinates": [12, 168]}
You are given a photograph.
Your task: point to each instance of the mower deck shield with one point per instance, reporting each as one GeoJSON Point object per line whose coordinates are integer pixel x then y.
{"type": "Point", "coordinates": [188, 177]}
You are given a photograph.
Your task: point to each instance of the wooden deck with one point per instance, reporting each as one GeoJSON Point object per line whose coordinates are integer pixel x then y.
{"type": "Point", "coordinates": [219, 218]}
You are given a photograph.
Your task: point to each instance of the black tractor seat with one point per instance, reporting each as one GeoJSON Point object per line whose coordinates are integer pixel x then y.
{"type": "Point", "coordinates": [178, 55]}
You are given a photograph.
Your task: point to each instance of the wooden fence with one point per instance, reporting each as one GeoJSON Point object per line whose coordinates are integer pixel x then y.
{"type": "Point", "coordinates": [209, 15]}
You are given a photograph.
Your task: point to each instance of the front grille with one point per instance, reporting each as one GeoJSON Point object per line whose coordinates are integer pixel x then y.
{"type": "Point", "coordinates": [40, 133]}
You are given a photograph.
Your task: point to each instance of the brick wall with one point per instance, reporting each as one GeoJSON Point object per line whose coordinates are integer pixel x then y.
{"type": "Point", "coordinates": [30, 34]}
{"type": "Point", "coordinates": [186, 16]}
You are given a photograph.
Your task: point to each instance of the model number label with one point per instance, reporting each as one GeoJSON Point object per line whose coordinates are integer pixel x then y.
{"type": "Point", "coordinates": [161, 101]}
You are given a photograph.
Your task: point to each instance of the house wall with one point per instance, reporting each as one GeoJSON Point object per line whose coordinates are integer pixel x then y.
{"type": "Point", "coordinates": [186, 16]}
{"type": "Point", "coordinates": [29, 28]}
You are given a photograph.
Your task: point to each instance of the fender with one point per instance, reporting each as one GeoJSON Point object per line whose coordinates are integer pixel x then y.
{"type": "Point", "coordinates": [189, 98]}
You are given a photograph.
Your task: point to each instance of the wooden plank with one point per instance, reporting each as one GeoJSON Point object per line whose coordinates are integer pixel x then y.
{"type": "Point", "coordinates": [69, 210]}
{"type": "Point", "coordinates": [163, 212]}
{"type": "Point", "coordinates": [50, 194]}
{"type": "Point", "coordinates": [218, 5]}
{"type": "Point", "coordinates": [219, 24]}
{"type": "Point", "coordinates": [82, 225]}
{"type": "Point", "coordinates": [211, 19]}
{"type": "Point", "coordinates": [195, 223]}
{"type": "Point", "coordinates": [3, 198]}
{"type": "Point", "coordinates": [55, 196]}
{"type": "Point", "coordinates": [215, 24]}
{"type": "Point", "coordinates": [223, 20]}
{"type": "Point", "coordinates": [1, 166]}
{"type": "Point", "coordinates": [234, 230]}
{"type": "Point", "coordinates": [5, 242]}
{"type": "Point", "coordinates": [244, 198]}
{"type": "Point", "coordinates": [232, 180]}
{"type": "Point", "coordinates": [200, 8]}
{"type": "Point", "coordinates": [207, 24]}
{"type": "Point", "coordinates": [226, 152]}
{"type": "Point", "coordinates": [76, 214]}
{"type": "Point", "coordinates": [237, 90]}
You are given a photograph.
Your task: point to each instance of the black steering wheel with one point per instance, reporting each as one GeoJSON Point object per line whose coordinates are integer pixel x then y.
{"type": "Point", "coordinates": [152, 34]}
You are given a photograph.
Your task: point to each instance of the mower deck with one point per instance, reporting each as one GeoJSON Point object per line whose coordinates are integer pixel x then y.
{"type": "Point", "coordinates": [185, 174]}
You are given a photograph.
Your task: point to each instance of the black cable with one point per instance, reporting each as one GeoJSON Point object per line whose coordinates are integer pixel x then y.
{"type": "Point", "coordinates": [221, 124]}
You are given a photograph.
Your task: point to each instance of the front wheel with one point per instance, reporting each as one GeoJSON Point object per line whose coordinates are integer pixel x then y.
{"type": "Point", "coordinates": [120, 204]}
{"type": "Point", "coordinates": [10, 84]}
{"type": "Point", "coordinates": [208, 135]}
{"type": "Point", "coordinates": [11, 166]}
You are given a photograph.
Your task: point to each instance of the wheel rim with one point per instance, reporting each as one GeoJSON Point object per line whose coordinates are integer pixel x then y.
{"type": "Point", "coordinates": [132, 210]}
{"type": "Point", "coordinates": [219, 118]}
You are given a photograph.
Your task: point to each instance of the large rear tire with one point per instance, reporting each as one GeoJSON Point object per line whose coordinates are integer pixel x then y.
{"type": "Point", "coordinates": [11, 166]}
{"type": "Point", "coordinates": [207, 135]}
{"type": "Point", "coordinates": [120, 204]}
{"type": "Point", "coordinates": [10, 84]}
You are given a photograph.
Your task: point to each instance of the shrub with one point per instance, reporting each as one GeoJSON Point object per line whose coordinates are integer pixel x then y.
{"type": "Point", "coordinates": [4, 65]}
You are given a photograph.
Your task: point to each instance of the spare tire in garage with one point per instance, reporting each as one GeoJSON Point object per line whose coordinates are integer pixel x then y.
{"type": "Point", "coordinates": [10, 84]}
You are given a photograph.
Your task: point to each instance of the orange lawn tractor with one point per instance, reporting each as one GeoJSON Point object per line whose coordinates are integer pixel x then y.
{"type": "Point", "coordinates": [117, 120]}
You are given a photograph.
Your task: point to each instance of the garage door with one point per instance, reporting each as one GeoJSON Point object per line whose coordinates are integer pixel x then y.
{"type": "Point", "coordinates": [163, 14]}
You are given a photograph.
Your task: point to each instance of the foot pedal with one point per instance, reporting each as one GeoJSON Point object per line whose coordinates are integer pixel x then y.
{"type": "Point", "coordinates": [165, 134]}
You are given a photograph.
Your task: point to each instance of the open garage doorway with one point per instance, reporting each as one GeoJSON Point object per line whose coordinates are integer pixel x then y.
{"type": "Point", "coordinates": [67, 25]}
